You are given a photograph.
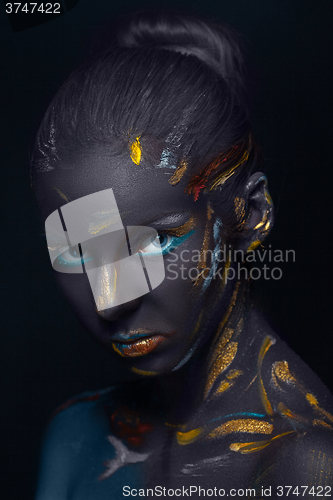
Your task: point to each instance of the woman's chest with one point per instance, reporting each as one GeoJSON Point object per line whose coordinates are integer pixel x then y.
{"type": "Point", "coordinates": [114, 469]}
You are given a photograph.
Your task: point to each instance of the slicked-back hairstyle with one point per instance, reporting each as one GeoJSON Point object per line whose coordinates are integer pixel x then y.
{"type": "Point", "coordinates": [175, 82]}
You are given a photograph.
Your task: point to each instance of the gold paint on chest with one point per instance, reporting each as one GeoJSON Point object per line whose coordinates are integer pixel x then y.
{"type": "Point", "coordinates": [250, 426]}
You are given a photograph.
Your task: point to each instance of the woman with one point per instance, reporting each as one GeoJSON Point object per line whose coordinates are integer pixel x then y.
{"type": "Point", "coordinates": [146, 153]}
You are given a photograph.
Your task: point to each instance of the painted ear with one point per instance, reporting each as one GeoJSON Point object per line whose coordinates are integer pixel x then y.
{"type": "Point", "coordinates": [260, 212]}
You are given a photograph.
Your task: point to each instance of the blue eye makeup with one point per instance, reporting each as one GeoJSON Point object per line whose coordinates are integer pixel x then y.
{"type": "Point", "coordinates": [166, 243]}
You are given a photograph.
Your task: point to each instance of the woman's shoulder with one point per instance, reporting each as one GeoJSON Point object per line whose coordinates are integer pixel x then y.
{"type": "Point", "coordinates": [77, 431]}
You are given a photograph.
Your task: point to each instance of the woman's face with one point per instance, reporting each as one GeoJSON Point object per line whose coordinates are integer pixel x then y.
{"type": "Point", "coordinates": [156, 332]}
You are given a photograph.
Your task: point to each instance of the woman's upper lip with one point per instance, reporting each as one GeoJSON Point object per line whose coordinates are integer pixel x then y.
{"type": "Point", "coordinates": [136, 335]}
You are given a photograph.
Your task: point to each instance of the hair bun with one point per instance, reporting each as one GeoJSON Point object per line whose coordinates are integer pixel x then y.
{"type": "Point", "coordinates": [215, 45]}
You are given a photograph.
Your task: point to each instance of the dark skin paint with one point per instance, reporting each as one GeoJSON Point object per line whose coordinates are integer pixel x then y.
{"type": "Point", "coordinates": [175, 398]}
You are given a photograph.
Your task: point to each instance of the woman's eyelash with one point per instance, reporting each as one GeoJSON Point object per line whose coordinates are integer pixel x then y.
{"type": "Point", "coordinates": [174, 242]}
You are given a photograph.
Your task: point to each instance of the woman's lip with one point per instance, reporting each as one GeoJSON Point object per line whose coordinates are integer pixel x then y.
{"type": "Point", "coordinates": [139, 346]}
{"type": "Point", "coordinates": [134, 335]}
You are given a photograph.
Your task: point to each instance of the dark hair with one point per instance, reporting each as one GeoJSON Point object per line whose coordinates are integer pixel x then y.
{"type": "Point", "coordinates": [177, 83]}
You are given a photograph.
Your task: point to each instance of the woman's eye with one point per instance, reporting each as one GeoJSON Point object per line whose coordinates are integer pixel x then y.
{"type": "Point", "coordinates": [71, 257]}
{"type": "Point", "coordinates": [163, 242]}
{"type": "Point", "coordinates": [155, 245]}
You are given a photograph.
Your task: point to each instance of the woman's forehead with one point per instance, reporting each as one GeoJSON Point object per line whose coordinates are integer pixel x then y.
{"type": "Point", "coordinates": [141, 191]}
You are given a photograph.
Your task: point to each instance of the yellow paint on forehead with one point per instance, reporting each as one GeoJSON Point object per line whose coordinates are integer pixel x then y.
{"type": "Point", "coordinates": [106, 219]}
{"type": "Point", "coordinates": [135, 151]}
{"type": "Point", "coordinates": [180, 171]}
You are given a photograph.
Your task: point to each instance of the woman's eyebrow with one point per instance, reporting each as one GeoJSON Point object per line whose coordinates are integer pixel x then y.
{"type": "Point", "coordinates": [177, 226]}
{"type": "Point", "coordinates": [170, 220]}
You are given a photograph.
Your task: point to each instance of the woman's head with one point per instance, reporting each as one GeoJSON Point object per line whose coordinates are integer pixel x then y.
{"type": "Point", "coordinates": [160, 119]}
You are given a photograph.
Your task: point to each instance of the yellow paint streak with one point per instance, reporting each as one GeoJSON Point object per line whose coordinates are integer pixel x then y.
{"type": "Point", "coordinates": [177, 426]}
{"type": "Point", "coordinates": [184, 229]}
{"type": "Point", "coordinates": [234, 374]}
{"type": "Point", "coordinates": [239, 207]}
{"type": "Point", "coordinates": [286, 412]}
{"type": "Point", "coordinates": [224, 386]}
{"type": "Point", "coordinates": [321, 423]}
{"type": "Point", "coordinates": [221, 354]}
{"type": "Point", "coordinates": [281, 371]}
{"type": "Point", "coordinates": [245, 448]}
{"type": "Point", "coordinates": [247, 425]}
{"type": "Point", "coordinates": [180, 171]}
{"type": "Point", "coordinates": [267, 343]}
{"type": "Point", "coordinates": [136, 150]}
{"type": "Point", "coordinates": [313, 402]}
{"type": "Point", "coordinates": [185, 438]}
{"type": "Point", "coordinates": [143, 372]}
{"type": "Point", "coordinates": [117, 350]}
{"type": "Point", "coordinates": [253, 245]}
{"type": "Point", "coordinates": [63, 196]}
{"type": "Point", "coordinates": [268, 197]}
{"type": "Point", "coordinates": [262, 222]}
{"type": "Point", "coordinates": [228, 173]}
{"type": "Point", "coordinates": [226, 271]}
{"type": "Point", "coordinates": [222, 362]}
{"type": "Point", "coordinates": [108, 219]}
{"type": "Point", "coordinates": [312, 399]}
{"type": "Point", "coordinates": [227, 384]}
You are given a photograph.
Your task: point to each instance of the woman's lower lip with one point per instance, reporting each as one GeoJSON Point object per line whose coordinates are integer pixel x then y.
{"type": "Point", "coordinates": [139, 347]}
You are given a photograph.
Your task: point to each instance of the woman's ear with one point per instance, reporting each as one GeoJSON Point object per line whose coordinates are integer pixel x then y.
{"type": "Point", "coordinates": [259, 213]}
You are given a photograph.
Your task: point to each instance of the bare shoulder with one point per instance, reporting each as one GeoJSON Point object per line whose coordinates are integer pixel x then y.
{"type": "Point", "coordinates": [76, 431]}
{"type": "Point", "coordinates": [306, 460]}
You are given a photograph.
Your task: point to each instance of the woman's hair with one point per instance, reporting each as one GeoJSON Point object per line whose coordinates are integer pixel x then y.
{"type": "Point", "coordinates": [172, 83]}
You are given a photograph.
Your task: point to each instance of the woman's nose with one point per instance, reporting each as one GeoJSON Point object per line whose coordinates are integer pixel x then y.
{"type": "Point", "coordinates": [117, 312]}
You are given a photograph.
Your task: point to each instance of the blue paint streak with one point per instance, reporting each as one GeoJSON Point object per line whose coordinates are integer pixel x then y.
{"type": "Point", "coordinates": [241, 414]}
{"type": "Point", "coordinates": [168, 159]}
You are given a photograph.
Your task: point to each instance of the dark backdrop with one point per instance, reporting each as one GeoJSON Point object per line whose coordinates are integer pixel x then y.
{"type": "Point", "coordinates": [46, 356]}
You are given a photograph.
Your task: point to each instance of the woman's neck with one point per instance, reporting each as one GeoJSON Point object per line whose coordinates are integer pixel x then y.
{"type": "Point", "coordinates": [181, 392]}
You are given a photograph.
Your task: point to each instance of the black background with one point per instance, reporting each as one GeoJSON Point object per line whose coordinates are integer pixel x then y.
{"type": "Point", "coordinates": [46, 357]}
